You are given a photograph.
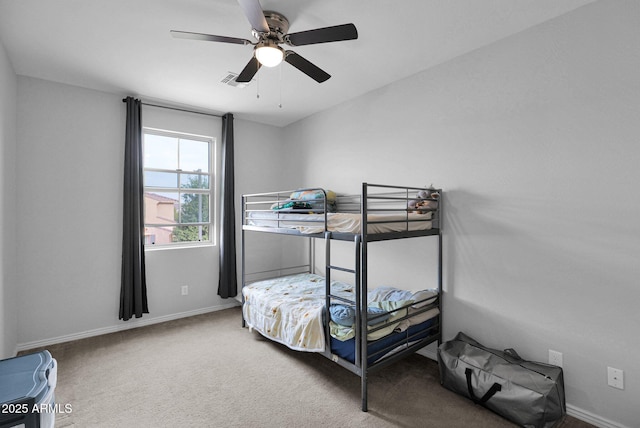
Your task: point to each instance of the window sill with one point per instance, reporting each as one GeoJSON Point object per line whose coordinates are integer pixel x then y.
{"type": "Point", "coordinates": [178, 246]}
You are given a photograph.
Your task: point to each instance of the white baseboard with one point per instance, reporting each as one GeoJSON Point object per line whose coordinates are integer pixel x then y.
{"type": "Point", "coordinates": [596, 420]}
{"type": "Point", "coordinates": [132, 323]}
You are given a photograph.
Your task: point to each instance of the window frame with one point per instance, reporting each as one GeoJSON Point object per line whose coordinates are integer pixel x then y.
{"type": "Point", "coordinates": [210, 192]}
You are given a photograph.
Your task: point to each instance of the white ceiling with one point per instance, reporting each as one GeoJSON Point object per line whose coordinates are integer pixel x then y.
{"type": "Point", "coordinates": [124, 46]}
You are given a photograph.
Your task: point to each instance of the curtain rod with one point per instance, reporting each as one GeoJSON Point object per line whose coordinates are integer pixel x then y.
{"type": "Point", "coordinates": [124, 100]}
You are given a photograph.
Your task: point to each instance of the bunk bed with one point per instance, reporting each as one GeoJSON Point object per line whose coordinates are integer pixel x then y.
{"type": "Point", "coordinates": [361, 329]}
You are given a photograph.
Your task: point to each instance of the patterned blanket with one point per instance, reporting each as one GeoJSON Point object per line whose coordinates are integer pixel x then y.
{"type": "Point", "coordinates": [289, 310]}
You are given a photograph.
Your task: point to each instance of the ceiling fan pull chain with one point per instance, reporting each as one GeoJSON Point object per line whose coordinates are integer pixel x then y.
{"type": "Point", "coordinates": [280, 83]}
{"type": "Point", "coordinates": [258, 86]}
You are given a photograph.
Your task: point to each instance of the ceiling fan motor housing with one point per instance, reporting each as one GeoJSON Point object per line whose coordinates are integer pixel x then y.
{"type": "Point", "coordinates": [278, 26]}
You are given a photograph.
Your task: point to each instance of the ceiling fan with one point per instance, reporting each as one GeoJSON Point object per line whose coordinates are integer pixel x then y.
{"type": "Point", "coordinates": [270, 29]}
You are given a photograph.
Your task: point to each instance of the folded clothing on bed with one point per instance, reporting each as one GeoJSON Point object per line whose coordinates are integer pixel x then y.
{"type": "Point", "coordinates": [421, 298]}
{"type": "Point", "coordinates": [291, 205]}
{"type": "Point", "coordinates": [311, 200]}
{"type": "Point", "coordinates": [395, 310]}
{"type": "Point", "coordinates": [345, 315]}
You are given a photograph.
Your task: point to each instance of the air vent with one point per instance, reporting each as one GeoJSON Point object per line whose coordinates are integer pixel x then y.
{"type": "Point", "coordinates": [230, 79]}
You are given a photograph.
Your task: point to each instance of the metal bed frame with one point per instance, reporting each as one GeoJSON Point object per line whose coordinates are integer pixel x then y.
{"type": "Point", "coordinates": [375, 198]}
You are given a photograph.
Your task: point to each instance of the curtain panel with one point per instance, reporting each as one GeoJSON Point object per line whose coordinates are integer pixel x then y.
{"type": "Point", "coordinates": [133, 290]}
{"type": "Point", "coordinates": [228, 281]}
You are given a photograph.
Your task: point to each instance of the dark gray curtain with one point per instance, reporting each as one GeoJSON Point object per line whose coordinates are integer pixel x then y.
{"type": "Point", "coordinates": [133, 290]}
{"type": "Point", "coordinates": [228, 282]}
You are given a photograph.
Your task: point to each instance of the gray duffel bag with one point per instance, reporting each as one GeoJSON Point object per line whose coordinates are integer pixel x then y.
{"type": "Point", "coordinates": [528, 393]}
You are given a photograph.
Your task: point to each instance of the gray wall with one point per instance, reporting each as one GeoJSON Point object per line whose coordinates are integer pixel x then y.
{"type": "Point", "coordinates": [69, 183]}
{"type": "Point", "coordinates": [535, 142]}
{"type": "Point", "coordinates": [8, 309]}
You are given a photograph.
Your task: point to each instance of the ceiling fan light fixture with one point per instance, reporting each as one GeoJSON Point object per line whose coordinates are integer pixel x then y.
{"type": "Point", "coordinates": [269, 53]}
{"type": "Point", "coordinates": [271, 29]}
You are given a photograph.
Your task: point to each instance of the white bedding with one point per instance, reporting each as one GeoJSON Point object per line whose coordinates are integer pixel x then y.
{"type": "Point", "coordinates": [289, 310]}
{"type": "Point", "coordinates": [341, 222]}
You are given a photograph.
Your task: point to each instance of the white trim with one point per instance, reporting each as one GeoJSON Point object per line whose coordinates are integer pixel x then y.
{"type": "Point", "coordinates": [596, 420]}
{"type": "Point", "coordinates": [133, 323]}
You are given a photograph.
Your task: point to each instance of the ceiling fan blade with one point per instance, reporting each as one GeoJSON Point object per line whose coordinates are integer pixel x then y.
{"type": "Point", "coordinates": [306, 67]}
{"type": "Point", "coordinates": [249, 71]}
{"type": "Point", "coordinates": [336, 33]}
{"type": "Point", "coordinates": [255, 15]}
{"type": "Point", "coordinates": [209, 37]}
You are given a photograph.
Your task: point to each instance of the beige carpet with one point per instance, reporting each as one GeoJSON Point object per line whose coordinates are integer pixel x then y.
{"type": "Point", "coordinates": [207, 371]}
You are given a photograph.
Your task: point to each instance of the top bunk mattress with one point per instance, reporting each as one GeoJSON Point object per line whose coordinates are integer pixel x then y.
{"type": "Point", "coordinates": [341, 222]}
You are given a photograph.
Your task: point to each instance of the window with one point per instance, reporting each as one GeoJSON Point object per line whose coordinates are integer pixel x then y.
{"type": "Point", "coordinates": [177, 188]}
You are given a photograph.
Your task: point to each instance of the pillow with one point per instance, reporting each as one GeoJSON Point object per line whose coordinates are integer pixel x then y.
{"type": "Point", "coordinates": [394, 294]}
{"type": "Point", "coordinates": [345, 315]}
{"type": "Point", "coordinates": [422, 295]}
{"type": "Point", "coordinates": [388, 293]}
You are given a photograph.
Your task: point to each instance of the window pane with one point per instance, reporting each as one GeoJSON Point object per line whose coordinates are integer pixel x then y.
{"type": "Point", "coordinates": [160, 152]}
{"type": "Point", "coordinates": [156, 235]}
{"type": "Point", "coordinates": [177, 185]}
{"type": "Point", "coordinates": [194, 181]}
{"type": "Point", "coordinates": [194, 155]}
{"type": "Point", "coordinates": [161, 207]}
{"type": "Point", "coordinates": [160, 179]}
{"type": "Point", "coordinates": [191, 233]}
{"type": "Point", "coordinates": [194, 208]}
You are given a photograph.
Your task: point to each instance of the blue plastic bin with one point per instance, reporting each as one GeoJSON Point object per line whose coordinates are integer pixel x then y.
{"type": "Point", "coordinates": [27, 385]}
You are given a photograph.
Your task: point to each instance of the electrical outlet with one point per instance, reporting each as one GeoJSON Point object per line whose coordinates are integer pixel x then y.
{"type": "Point", "coordinates": [185, 290]}
{"type": "Point", "coordinates": [615, 377]}
{"type": "Point", "coordinates": [555, 358]}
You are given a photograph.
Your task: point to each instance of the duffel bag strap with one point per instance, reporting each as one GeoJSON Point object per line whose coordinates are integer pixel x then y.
{"type": "Point", "coordinates": [490, 393]}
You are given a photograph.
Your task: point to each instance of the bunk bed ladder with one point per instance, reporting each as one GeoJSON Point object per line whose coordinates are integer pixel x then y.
{"type": "Point", "coordinates": [361, 315]}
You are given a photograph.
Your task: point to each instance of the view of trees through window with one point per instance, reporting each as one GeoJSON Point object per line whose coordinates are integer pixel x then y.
{"type": "Point", "coordinates": [177, 187]}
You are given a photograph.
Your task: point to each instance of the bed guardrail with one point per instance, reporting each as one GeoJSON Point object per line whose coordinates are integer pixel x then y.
{"type": "Point", "coordinates": [274, 209]}
{"type": "Point", "coordinates": [381, 209]}
{"type": "Point", "coordinates": [411, 206]}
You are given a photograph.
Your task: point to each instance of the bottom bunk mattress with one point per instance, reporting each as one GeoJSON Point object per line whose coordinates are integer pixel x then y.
{"type": "Point", "coordinates": [289, 310]}
{"type": "Point", "coordinates": [386, 346]}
